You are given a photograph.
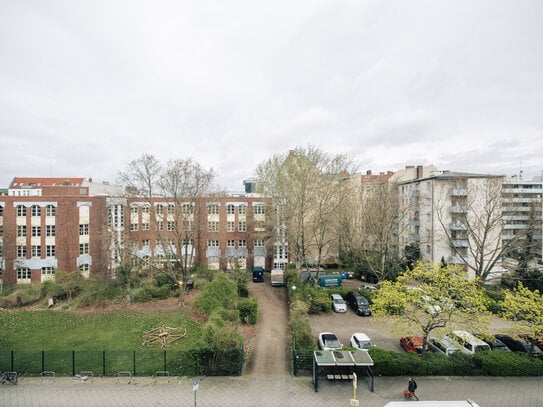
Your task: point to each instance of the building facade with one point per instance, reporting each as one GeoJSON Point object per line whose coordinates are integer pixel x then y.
{"type": "Point", "coordinates": [61, 224]}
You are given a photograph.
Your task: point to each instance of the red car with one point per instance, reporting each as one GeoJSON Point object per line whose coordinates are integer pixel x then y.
{"type": "Point", "coordinates": [412, 344]}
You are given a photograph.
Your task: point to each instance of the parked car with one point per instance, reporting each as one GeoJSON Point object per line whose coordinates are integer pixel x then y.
{"type": "Point", "coordinates": [329, 341]}
{"type": "Point", "coordinates": [494, 343]}
{"type": "Point", "coordinates": [358, 303]}
{"type": "Point", "coordinates": [412, 344]}
{"type": "Point", "coordinates": [445, 345]}
{"type": "Point", "coordinates": [518, 345]}
{"type": "Point", "coordinates": [362, 341]}
{"type": "Point", "coordinates": [469, 344]}
{"type": "Point", "coordinates": [338, 303]}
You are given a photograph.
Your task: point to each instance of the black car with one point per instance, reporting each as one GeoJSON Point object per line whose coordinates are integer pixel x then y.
{"type": "Point", "coordinates": [517, 345]}
{"type": "Point", "coordinates": [358, 303]}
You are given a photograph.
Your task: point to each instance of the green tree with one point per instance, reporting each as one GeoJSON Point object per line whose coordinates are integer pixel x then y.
{"type": "Point", "coordinates": [525, 308]}
{"type": "Point", "coordinates": [430, 299]}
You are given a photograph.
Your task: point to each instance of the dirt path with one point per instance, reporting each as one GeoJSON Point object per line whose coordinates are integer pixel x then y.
{"type": "Point", "coordinates": [270, 356]}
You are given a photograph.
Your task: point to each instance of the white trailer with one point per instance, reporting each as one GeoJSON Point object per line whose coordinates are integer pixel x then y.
{"type": "Point", "coordinates": [277, 277]}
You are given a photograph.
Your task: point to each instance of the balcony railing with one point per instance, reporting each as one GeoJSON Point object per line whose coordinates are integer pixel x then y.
{"type": "Point", "coordinates": [459, 192]}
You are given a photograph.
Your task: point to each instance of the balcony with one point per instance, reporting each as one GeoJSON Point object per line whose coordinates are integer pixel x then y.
{"type": "Point", "coordinates": [413, 193]}
{"type": "Point", "coordinates": [458, 209]}
{"type": "Point", "coordinates": [414, 222]}
{"type": "Point", "coordinates": [457, 226]}
{"type": "Point", "coordinates": [459, 192]}
{"type": "Point", "coordinates": [460, 243]}
{"type": "Point", "coordinates": [414, 238]}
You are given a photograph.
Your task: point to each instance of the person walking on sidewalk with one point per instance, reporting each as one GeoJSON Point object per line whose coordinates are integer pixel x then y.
{"type": "Point", "coordinates": [411, 387]}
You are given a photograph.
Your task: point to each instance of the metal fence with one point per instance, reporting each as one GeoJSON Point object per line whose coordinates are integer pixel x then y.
{"type": "Point", "coordinates": [137, 362]}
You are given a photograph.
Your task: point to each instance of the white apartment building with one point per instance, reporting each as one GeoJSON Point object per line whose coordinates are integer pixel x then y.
{"type": "Point", "coordinates": [522, 206]}
{"type": "Point", "coordinates": [444, 214]}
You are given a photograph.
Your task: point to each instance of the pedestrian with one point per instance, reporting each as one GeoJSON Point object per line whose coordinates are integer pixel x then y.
{"type": "Point", "coordinates": [411, 387]}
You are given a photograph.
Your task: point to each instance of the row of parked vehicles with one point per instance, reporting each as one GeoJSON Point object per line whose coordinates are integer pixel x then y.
{"type": "Point", "coordinates": [358, 340]}
{"type": "Point", "coordinates": [465, 342]}
{"type": "Point", "coordinates": [354, 299]}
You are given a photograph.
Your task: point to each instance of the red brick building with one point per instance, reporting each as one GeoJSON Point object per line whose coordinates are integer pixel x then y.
{"type": "Point", "coordinates": [49, 224]}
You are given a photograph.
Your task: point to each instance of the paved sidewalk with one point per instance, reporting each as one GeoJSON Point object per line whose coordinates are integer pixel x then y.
{"type": "Point", "coordinates": [276, 391]}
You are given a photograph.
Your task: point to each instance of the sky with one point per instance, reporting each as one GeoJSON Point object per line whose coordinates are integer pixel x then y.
{"type": "Point", "coordinates": [86, 86]}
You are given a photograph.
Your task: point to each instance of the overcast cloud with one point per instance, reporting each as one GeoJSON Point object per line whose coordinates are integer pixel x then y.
{"type": "Point", "coordinates": [87, 86]}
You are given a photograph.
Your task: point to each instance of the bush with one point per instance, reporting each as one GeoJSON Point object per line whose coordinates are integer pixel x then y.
{"type": "Point", "coordinates": [498, 363]}
{"type": "Point", "coordinates": [149, 292]}
{"type": "Point", "coordinates": [221, 293]}
{"type": "Point", "coordinates": [97, 291]}
{"type": "Point", "coordinates": [21, 297]}
{"type": "Point", "coordinates": [248, 310]}
{"type": "Point", "coordinates": [300, 327]}
{"type": "Point", "coordinates": [50, 289]}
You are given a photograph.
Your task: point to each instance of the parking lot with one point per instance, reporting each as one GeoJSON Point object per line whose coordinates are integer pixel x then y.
{"type": "Point", "coordinates": [345, 324]}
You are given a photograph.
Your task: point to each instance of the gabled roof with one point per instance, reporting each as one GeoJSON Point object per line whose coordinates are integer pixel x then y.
{"type": "Point", "coordinates": [23, 182]}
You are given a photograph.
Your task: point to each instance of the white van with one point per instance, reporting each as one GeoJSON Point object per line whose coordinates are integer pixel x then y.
{"type": "Point", "coordinates": [469, 344]}
{"type": "Point", "coordinates": [444, 345]}
{"type": "Point", "coordinates": [428, 403]}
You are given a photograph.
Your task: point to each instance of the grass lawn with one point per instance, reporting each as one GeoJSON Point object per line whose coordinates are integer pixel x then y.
{"type": "Point", "coordinates": [64, 330]}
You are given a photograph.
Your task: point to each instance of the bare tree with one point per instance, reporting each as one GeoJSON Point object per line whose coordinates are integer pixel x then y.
{"type": "Point", "coordinates": [174, 195]}
{"type": "Point", "coordinates": [380, 220]}
{"type": "Point", "coordinates": [478, 221]}
{"type": "Point", "coordinates": [306, 191]}
{"type": "Point", "coordinates": [185, 182]}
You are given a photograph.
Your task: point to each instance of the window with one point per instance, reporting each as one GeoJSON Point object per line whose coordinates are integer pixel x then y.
{"type": "Point", "coordinates": [36, 231]}
{"type": "Point", "coordinates": [47, 271]}
{"type": "Point", "coordinates": [84, 269]}
{"type": "Point", "coordinates": [242, 243]}
{"type": "Point", "coordinates": [23, 274]}
{"type": "Point", "coordinates": [145, 243]}
{"type": "Point", "coordinates": [259, 243]}
{"type": "Point", "coordinates": [83, 248]}
{"type": "Point", "coordinates": [145, 209]}
{"type": "Point", "coordinates": [36, 210]}
{"type": "Point", "coordinates": [242, 209]}
{"type": "Point", "coordinates": [213, 209]}
{"type": "Point", "coordinates": [21, 230]}
{"type": "Point", "coordinates": [160, 226]}
{"type": "Point", "coordinates": [83, 230]}
{"type": "Point", "coordinates": [259, 209]}
{"type": "Point", "coordinates": [1, 211]}
{"type": "Point", "coordinates": [145, 226]}
{"type": "Point", "coordinates": [188, 225]}
{"type": "Point", "coordinates": [49, 230]}
{"type": "Point", "coordinates": [230, 209]}
{"type": "Point", "coordinates": [160, 209]}
{"type": "Point", "coordinates": [134, 210]}
{"type": "Point", "coordinates": [171, 226]}
{"type": "Point", "coordinates": [133, 227]}
{"type": "Point", "coordinates": [171, 209]}
{"type": "Point", "coordinates": [230, 226]}
{"type": "Point", "coordinates": [242, 227]}
{"type": "Point", "coordinates": [212, 243]}
{"type": "Point", "coordinates": [212, 226]}
{"type": "Point", "coordinates": [50, 210]}
{"type": "Point", "coordinates": [36, 251]}
{"type": "Point", "coordinates": [50, 251]}
{"type": "Point", "coordinates": [21, 210]}
{"type": "Point", "coordinates": [188, 242]}
{"type": "Point", "coordinates": [171, 242]}
{"type": "Point", "coordinates": [230, 243]}
{"type": "Point", "coordinates": [187, 209]}
{"type": "Point", "coordinates": [21, 251]}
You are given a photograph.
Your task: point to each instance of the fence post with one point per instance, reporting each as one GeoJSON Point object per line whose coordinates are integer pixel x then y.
{"type": "Point", "coordinates": [165, 360]}
{"type": "Point", "coordinates": [103, 363]}
{"type": "Point", "coordinates": [73, 363]}
{"type": "Point", "coordinates": [13, 361]}
{"type": "Point", "coordinates": [134, 363]}
{"type": "Point", "coordinates": [43, 361]}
